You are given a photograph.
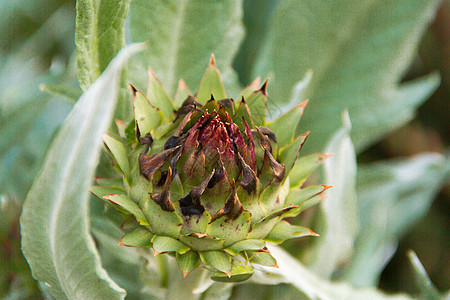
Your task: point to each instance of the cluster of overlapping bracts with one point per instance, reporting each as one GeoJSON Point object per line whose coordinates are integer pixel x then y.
{"type": "Point", "coordinates": [208, 179]}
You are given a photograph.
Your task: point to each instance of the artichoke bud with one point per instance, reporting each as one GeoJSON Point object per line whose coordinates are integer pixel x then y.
{"type": "Point", "coordinates": [209, 180]}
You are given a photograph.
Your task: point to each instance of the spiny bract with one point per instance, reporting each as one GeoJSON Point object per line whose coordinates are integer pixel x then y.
{"type": "Point", "coordinates": [207, 179]}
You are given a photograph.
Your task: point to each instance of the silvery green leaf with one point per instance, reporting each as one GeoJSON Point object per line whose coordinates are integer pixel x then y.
{"type": "Point", "coordinates": [313, 287]}
{"type": "Point", "coordinates": [99, 36]}
{"type": "Point", "coordinates": [358, 52]}
{"type": "Point", "coordinates": [54, 221]}
{"type": "Point", "coordinates": [181, 35]}
{"type": "Point", "coordinates": [393, 195]}
{"type": "Point", "coordinates": [339, 222]}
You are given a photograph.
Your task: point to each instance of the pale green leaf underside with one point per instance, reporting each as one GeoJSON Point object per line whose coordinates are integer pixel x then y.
{"type": "Point", "coordinates": [313, 287]}
{"type": "Point", "coordinates": [423, 282]}
{"type": "Point", "coordinates": [339, 213]}
{"type": "Point", "coordinates": [54, 224]}
{"type": "Point", "coordinates": [358, 52]}
{"type": "Point", "coordinates": [393, 195]}
{"type": "Point", "coordinates": [181, 35]}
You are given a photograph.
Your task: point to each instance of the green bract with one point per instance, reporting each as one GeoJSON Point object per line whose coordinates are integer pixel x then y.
{"type": "Point", "coordinates": [207, 179]}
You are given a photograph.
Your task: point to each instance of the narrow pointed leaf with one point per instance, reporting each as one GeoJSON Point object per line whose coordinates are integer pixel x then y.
{"type": "Point", "coordinates": [163, 244]}
{"type": "Point", "coordinates": [188, 261]}
{"type": "Point", "coordinates": [257, 102]}
{"type": "Point", "coordinates": [282, 127]}
{"type": "Point", "coordinates": [238, 273]}
{"type": "Point", "coordinates": [147, 116]}
{"type": "Point", "coordinates": [300, 196]}
{"type": "Point", "coordinates": [158, 96]}
{"type": "Point", "coordinates": [130, 206]}
{"type": "Point", "coordinates": [54, 218]}
{"type": "Point", "coordinates": [211, 84]}
{"type": "Point", "coordinates": [393, 195]}
{"type": "Point", "coordinates": [140, 237]}
{"type": "Point", "coordinates": [304, 167]}
{"type": "Point", "coordinates": [218, 260]}
{"type": "Point", "coordinates": [250, 88]}
{"type": "Point", "coordinates": [182, 93]}
{"type": "Point", "coordinates": [68, 93]}
{"type": "Point", "coordinates": [119, 152]}
{"type": "Point", "coordinates": [284, 231]}
{"type": "Point", "coordinates": [289, 153]}
{"type": "Point", "coordinates": [245, 245]}
{"type": "Point", "coordinates": [102, 191]}
{"type": "Point", "coordinates": [262, 258]}
{"type": "Point", "coordinates": [261, 229]}
{"type": "Point", "coordinates": [113, 182]}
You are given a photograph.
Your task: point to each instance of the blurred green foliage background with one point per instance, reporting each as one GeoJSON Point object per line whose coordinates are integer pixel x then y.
{"type": "Point", "coordinates": [37, 46]}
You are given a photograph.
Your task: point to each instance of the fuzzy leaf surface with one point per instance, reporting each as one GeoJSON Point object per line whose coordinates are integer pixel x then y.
{"type": "Point", "coordinates": [393, 195]}
{"type": "Point", "coordinates": [181, 35]}
{"type": "Point", "coordinates": [338, 217]}
{"type": "Point", "coordinates": [54, 221]}
{"type": "Point", "coordinates": [99, 36]}
{"type": "Point", "coordinates": [359, 66]}
{"type": "Point", "coordinates": [313, 287]}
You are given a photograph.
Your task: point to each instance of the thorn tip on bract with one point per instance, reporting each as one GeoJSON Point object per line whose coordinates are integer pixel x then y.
{"type": "Point", "coordinates": [150, 73]}
{"type": "Point", "coordinates": [263, 88]}
{"type": "Point", "coordinates": [304, 103]}
{"type": "Point", "coordinates": [212, 61]}
{"type": "Point", "coordinates": [256, 82]}
{"type": "Point", "coordinates": [133, 89]}
{"type": "Point", "coordinates": [182, 84]}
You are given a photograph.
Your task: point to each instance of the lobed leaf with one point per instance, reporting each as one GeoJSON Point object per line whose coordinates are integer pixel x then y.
{"type": "Point", "coordinates": [358, 67]}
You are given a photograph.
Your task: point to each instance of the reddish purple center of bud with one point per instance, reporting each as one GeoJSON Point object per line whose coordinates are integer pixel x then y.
{"type": "Point", "coordinates": [214, 135]}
